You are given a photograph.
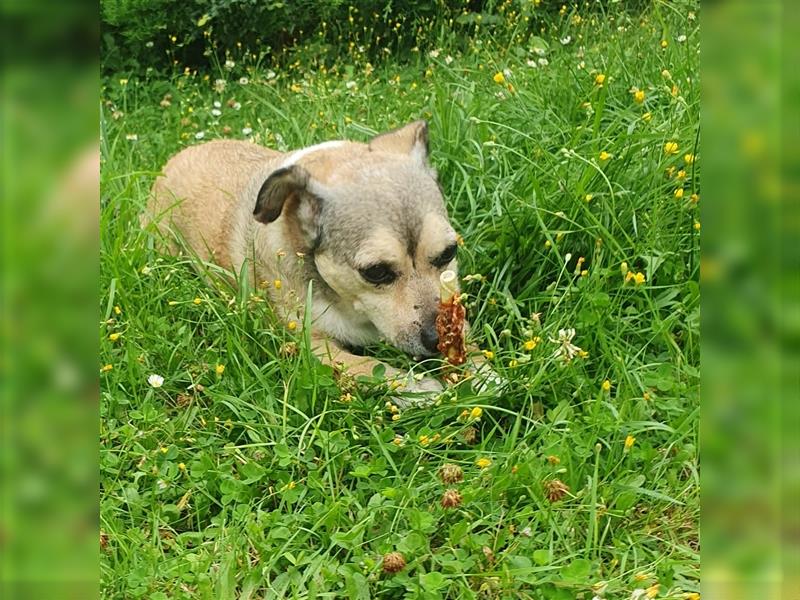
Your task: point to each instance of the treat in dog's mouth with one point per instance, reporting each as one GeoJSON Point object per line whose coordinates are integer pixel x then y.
{"type": "Point", "coordinates": [451, 320]}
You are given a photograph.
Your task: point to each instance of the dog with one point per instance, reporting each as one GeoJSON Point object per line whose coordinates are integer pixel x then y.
{"type": "Point", "coordinates": [364, 223]}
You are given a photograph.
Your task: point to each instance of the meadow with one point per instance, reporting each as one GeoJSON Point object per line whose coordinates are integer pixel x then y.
{"type": "Point", "coordinates": [234, 465]}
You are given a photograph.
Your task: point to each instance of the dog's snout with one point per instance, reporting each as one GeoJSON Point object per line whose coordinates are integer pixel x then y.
{"type": "Point", "coordinates": [430, 337]}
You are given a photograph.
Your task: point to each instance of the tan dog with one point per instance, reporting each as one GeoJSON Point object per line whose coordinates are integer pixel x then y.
{"type": "Point", "coordinates": [364, 223]}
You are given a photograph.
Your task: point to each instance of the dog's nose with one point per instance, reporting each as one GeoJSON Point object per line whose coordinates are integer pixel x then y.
{"type": "Point", "coordinates": [430, 338]}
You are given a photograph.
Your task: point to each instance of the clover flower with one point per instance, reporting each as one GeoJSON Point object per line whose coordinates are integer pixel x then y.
{"type": "Point", "coordinates": [451, 498]}
{"type": "Point", "coordinates": [566, 350]}
{"type": "Point", "coordinates": [450, 473]}
{"type": "Point", "coordinates": [393, 562]}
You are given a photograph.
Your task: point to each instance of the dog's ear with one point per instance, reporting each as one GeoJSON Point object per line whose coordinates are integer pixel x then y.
{"type": "Point", "coordinates": [411, 140]}
{"type": "Point", "coordinates": [287, 190]}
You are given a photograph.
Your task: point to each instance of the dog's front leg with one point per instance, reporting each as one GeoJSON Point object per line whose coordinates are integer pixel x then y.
{"type": "Point", "coordinates": [329, 352]}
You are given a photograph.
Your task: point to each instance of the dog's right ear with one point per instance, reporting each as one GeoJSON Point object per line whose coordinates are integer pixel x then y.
{"type": "Point", "coordinates": [287, 191]}
{"type": "Point", "coordinates": [282, 186]}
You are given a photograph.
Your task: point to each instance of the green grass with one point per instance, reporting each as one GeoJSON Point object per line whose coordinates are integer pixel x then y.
{"type": "Point", "coordinates": [262, 482]}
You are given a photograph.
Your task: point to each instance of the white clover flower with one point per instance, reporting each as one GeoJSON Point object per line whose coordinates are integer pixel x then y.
{"type": "Point", "coordinates": [543, 62]}
{"type": "Point", "coordinates": [216, 112]}
{"type": "Point", "coordinates": [229, 64]}
{"type": "Point", "coordinates": [448, 59]}
{"type": "Point", "coordinates": [155, 381]}
{"type": "Point", "coordinates": [565, 40]}
{"type": "Point", "coordinates": [270, 74]}
{"type": "Point", "coordinates": [217, 104]}
{"type": "Point", "coordinates": [531, 63]}
{"type": "Point", "coordinates": [132, 137]}
{"type": "Point", "coordinates": [434, 53]}
{"type": "Point", "coordinates": [219, 85]}
{"type": "Point", "coordinates": [244, 81]}
{"type": "Point", "coordinates": [681, 38]}
{"type": "Point", "coordinates": [237, 106]}
{"type": "Point", "coordinates": [148, 45]}
{"type": "Point", "coordinates": [247, 131]}
{"type": "Point", "coordinates": [350, 85]}
{"type": "Point", "coordinates": [566, 350]}
{"type": "Point", "coordinates": [199, 135]}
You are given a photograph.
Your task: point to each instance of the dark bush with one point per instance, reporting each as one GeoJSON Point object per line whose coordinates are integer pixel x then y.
{"type": "Point", "coordinates": [197, 33]}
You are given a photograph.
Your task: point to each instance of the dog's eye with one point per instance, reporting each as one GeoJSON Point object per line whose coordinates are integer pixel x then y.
{"type": "Point", "coordinates": [445, 257]}
{"type": "Point", "coordinates": [380, 273]}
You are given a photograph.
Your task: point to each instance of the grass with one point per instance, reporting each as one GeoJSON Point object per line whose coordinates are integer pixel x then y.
{"type": "Point", "coordinates": [265, 480]}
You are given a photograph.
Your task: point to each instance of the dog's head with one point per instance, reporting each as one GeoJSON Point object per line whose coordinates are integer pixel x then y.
{"type": "Point", "coordinates": [373, 218]}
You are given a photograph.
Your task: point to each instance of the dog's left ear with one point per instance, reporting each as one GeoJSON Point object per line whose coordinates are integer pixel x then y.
{"type": "Point", "coordinates": [411, 140]}
{"type": "Point", "coordinates": [287, 191]}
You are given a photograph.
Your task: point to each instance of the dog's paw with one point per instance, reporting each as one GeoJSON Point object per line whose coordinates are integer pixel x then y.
{"type": "Point", "coordinates": [486, 379]}
{"type": "Point", "coordinates": [416, 392]}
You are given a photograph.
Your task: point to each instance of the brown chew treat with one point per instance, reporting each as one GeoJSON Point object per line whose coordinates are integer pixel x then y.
{"type": "Point", "coordinates": [450, 321]}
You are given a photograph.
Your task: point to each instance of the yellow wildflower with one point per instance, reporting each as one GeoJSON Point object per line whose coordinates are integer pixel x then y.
{"type": "Point", "coordinates": [513, 363]}
{"type": "Point", "coordinates": [638, 96]}
{"type": "Point", "coordinates": [396, 417]}
{"type": "Point", "coordinates": [629, 442]}
{"type": "Point", "coordinates": [499, 77]}
{"type": "Point", "coordinates": [219, 369]}
{"type": "Point", "coordinates": [604, 156]}
{"type": "Point", "coordinates": [695, 198]}
{"type": "Point", "coordinates": [488, 354]}
{"type": "Point", "coordinates": [624, 268]}
{"type": "Point", "coordinates": [600, 79]}
{"type": "Point", "coordinates": [664, 43]}
{"type": "Point", "coordinates": [291, 325]}
{"type": "Point", "coordinates": [646, 117]}
{"type": "Point", "coordinates": [106, 368]}
{"type": "Point", "coordinates": [691, 596]}
{"type": "Point", "coordinates": [697, 225]}
{"type": "Point", "coordinates": [476, 413]}
{"type": "Point", "coordinates": [117, 310]}
{"type": "Point", "coordinates": [181, 466]}
{"type": "Point", "coordinates": [547, 243]}
{"type": "Point", "coordinates": [606, 386]}
{"type": "Point", "coordinates": [114, 336]}
{"type": "Point", "coordinates": [424, 440]}
{"type": "Point", "coordinates": [679, 193]}
{"type": "Point", "coordinates": [531, 344]}
{"type": "Point", "coordinates": [588, 198]}
{"type": "Point", "coordinates": [197, 300]}
{"type": "Point", "coordinates": [639, 278]}
{"type": "Point", "coordinates": [671, 148]}
{"type": "Point", "coordinates": [688, 158]}
{"type": "Point", "coordinates": [652, 591]}
{"type": "Point", "coordinates": [681, 174]}
{"type": "Point", "coordinates": [278, 284]}
{"type": "Point", "coordinates": [483, 463]}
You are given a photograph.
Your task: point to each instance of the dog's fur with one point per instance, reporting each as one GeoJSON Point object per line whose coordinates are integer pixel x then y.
{"type": "Point", "coordinates": [324, 214]}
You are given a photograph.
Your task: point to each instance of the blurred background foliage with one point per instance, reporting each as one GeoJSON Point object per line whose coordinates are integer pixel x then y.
{"type": "Point", "coordinates": [158, 35]}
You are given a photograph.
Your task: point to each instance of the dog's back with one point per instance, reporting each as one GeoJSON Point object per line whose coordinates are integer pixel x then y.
{"type": "Point", "coordinates": [197, 194]}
